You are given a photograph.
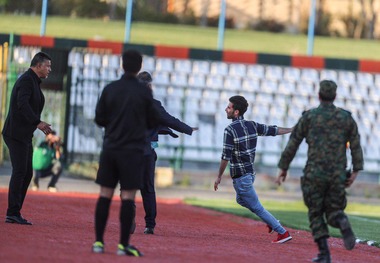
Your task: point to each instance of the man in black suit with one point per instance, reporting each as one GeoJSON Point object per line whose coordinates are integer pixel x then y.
{"type": "Point", "coordinates": [125, 109]}
{"type": "Point", "coordinates": [26, 104]}
{"type": "Point", "coordinates": [166, 123]}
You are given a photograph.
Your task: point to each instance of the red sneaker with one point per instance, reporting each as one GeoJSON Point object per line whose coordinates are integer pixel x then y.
{"type": "Point", "coordinates": [282, 238]}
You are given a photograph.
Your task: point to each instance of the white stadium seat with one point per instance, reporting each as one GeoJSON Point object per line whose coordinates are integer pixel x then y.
{"type": "Point", "coordinates": [201, 66]}
{"type": "Point", "coordinates": [256, 71]}
{"type": "Point", "coordinates": [164, 64]}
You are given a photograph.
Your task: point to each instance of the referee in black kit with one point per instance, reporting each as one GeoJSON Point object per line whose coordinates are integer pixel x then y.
{"type": "Point", "coordinates": [125, 109]}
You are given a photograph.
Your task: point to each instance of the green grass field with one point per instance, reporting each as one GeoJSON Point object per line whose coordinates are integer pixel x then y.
{"type": "Point", "coordinates": [191, 36]}
{"type": "Point", "coordinates": [365, 219]}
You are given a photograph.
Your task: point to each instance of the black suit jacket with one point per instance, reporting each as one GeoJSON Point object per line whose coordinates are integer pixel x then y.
{"type": "Point", "coordinates": [26, 104]}
{"type": "Point", "coordinates": [125, 109]}
{"type": "Point", "coordinates": [166, 123]}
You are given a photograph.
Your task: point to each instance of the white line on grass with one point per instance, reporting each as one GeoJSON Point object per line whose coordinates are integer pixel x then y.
{"type": "Point", "coordinates": [365, 219]}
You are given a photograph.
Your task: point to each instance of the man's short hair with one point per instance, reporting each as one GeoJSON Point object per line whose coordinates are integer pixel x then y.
{"type": "Point", "coordinates": [39, 58]}
{"type": "Point", "coordinates": [132, 61]}
{"type": "Point", "coordinates": [239, 103]}
{"type": "Point", "coordinates": [327, 90]}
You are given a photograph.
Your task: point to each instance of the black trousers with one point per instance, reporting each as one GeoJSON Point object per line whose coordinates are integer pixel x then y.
{"type": "Point", "coordinates": [21, 155]}
{"type": "Point", "coordinates": [54, 170]}
{"type": "Point", "coordinates": [148, 192]}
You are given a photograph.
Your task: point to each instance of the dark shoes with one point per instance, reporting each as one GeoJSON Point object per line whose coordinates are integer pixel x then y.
{"type": "Point", "coordinates": [17, 220]}
{"type": "Point", "coordinates": [149, 231]}
{"type": "Point", "coordinates": [348, 235]}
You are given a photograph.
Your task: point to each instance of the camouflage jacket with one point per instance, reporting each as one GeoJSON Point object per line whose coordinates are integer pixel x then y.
{"type": "Point", "coordinates": [327, 129]}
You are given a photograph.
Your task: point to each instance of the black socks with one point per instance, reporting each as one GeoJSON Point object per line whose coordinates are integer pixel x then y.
{"type": "Point", "coordinates": [127, 214]}
{"type": "Point", "coordinates": [101, 216]}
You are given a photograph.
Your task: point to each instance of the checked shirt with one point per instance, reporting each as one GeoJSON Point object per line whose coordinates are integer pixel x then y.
{"type": "Point", "coordinates": [239, 144]}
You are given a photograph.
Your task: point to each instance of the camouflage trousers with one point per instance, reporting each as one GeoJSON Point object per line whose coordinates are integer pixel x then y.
{"type": "Point", "coordinates": [324, 195]}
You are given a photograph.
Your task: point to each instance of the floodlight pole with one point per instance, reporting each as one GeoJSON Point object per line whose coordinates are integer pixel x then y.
{"type": "Point", "coordinates": [221, 26]}
{"type": "Point", "coordinates": [43, 17]}
{"type": "Point", "coordinates": [128, 21]}
{"type": "Point", "coordinates": [310, 33]}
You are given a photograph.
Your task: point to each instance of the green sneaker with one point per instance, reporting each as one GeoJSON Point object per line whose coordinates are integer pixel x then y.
{"type": "Point", "coordinates": [128, 250]}
{"type": "Point", "coordinates": [98, 247]}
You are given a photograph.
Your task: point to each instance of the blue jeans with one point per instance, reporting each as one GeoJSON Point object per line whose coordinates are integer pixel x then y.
{"type": "Point", "coordinates": [246, 196]}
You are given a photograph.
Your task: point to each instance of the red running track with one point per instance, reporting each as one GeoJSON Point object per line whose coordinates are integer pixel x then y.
{"type": "Point", "coordinates": [63, 231]}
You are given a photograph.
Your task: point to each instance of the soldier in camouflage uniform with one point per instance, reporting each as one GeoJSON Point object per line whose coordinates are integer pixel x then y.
{"type": "Point", "coordinates": [327, 130]}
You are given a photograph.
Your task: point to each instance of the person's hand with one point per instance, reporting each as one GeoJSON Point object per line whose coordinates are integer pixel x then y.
{"type": "Point", "coordinates": [44, 127]}
{"type": "Point", "coordinates": [350, 180]}
{"type": "Point", "coordinates": [281, 177]}
{"type": "Point", "coordinates": [217, 182]}
{"type": "Point", "coordinates": [195, 128]}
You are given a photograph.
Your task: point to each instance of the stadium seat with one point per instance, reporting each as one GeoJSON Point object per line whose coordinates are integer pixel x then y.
{"type": "Point", "coordinates": [161, 78]}
{"type": "Point", "coordinates": [273, 73]}
{"type": "Point", "coordinates": [269, 86]}
{"type": "Point", "coordinates": [329, 74]}
{"type": "Point", "coordinates": [365, 78]}
{"type": "Point", "coordinates": [197, 80]}
{"type": "Point", "coordinates": [191, 116]}
{"type": "Point", "coordinates": [178, 79]}
{"type": "Point", "coordinates": [377, 80]}
{"type": "Point", "coordinates": [108, 74]}
{"type": "Point", "coordinates": [238, 70]}
{"type": "Point", "coordinates": [201, 66]}
{"type": "Point", "coordinates": [211, 94]}
{"type": "Point", "coordinates": [250, 85]}
{"type": "Point", "coordinates": [173, 105]}
{"type": "Point", "coordinates": [292, 74]}
{"type": "Point", "coordinates": [182, 65]}
{"type": "Point", "coordinates": [193, 93]}
{"type": "Point", "coordinates": [359, 92]}
{"type": "Point", "coordinates": [208, 106]}
{"type": "Point", "coordinates": [310, 75]}
{"type": "Point", "coordinates": [232, 83]}
{"type": "Point", "coordinates": [286, 87]}
{"type": "Point", "coordinates": [343, 90]}
{"type": "Point", "coordinates": [226, 94]}
{"type": "Point", "coordinates": [347, 77]}
{"type": "Point", "coordinates": [92, 60]}
{"type": "Point", "coordinates": [214, 81]}
{"type": "Point", "coordinates": [164, 64]}
{"type": "Point", "coordinates": [256, 71]}
{"type": "Point", "coordinates": [149, 64]}
{"type": "Point", "coordinates": [175, 92]}
{"type": "Point", "coordinates": [90, 73]}
{"type": "Point", "coordinates": [159, 91]}
{"type": "Point", "coordinates": [111, 61]}
{"type": "Point", "coordinates": [75, 59]}
{"type": "Point", "coordinates": [374, 94]}
{"type": "Point", "coordinates": [219, 68]}
{"type": "Point", "coordinates": [305, 88]}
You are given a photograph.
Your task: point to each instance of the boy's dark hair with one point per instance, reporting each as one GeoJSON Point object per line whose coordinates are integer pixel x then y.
{"type": "Point", "coordinates": [145, 76]}
{"type": "Point", "coordinates": [39, 58]}
{"type": "Point", "coordinates": [132, 61]}
{"type": "Point", "coordinates": [239, 103]}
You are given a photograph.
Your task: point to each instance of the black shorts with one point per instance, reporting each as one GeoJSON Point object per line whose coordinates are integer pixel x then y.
{"type": "Point", "coordinates": [124, 166]}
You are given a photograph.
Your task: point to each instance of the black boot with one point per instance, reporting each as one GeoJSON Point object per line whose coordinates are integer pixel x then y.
{"type": "Point", "coordinates": [347, 234]}
{"type": "Point", "coordinates": [324, 252]}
